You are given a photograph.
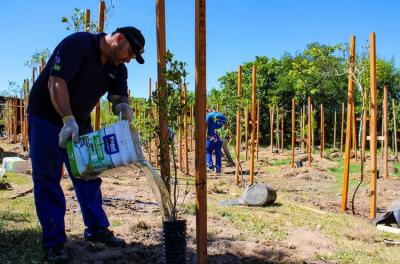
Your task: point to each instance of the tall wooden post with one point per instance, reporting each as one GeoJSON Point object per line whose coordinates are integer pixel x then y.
{"type": "Point", "coordinates": [201, 181]}
{"type": "Point", "coordinates": [395, 131]}
{"type": "Point", "coordinates": [151, 117]}
{"type": "Point", "coordinates": [238, 125]}
{"type": "Point", "coordinates": [364, 132]}
{"type": "Point", "coordinates": [350, 95]}
{"type": "Point", "coordinates": [15, 114]}
{"type": "Point", "coordinates": [21, 116]}
{"type": "Point", "coordinates": [87, 20]}
{"type": "Point", "coordinates": [341, 130]}
{"type": "Point", "coordinates": [180, 142]}
{"type": "Point", "coordinates": [258, 127]}
{"type": "Point", "coordinates": [382, 131]}
{"type": "Point", "coordinates": [7, 113]}
{"type": "Point", "coordinates": [277, 129]}
{"type": "Point", "coordinates": [309, 132]}
{"type": "Point", "coordinates": [246, 124]}
{"type": "Point", "coordinates": [163, 93]}
{"type": "Point", "coordinates": [303, 130]}
{"type": "Point", "coordinates": [282, 129]}
{"type": "Point", "coordinates": [157, 141]}
{"type": "Point", "coordinates": [271, 127]}
{"type": "Point", "coordinates": [385, 133]}
{"type": "Point", "coordinates": [192, 130]}
{"type": "Point", "coordinates": [322, 132]}
{"type": "Point", "coordinates": [334, 132]}
{"type": "Point", "coordinates": [372, 127]}
{"type": "Point", "coordinates": [26, 144]}
{"type": "Point", "coordinates": [102, 7]}
{"type": "Point", "coordinates": [185, 128]}
{"type": "Point", "coordinates": [180, 121]}
{"type": "Point", "coordinates": [253, 119]}
{"type": "Point", "coordinates": [293, 128]}
{"type": "Point", "coordinates": [312, 128]}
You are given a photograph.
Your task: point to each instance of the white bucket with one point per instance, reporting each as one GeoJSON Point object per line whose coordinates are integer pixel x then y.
{"type": "Point", "coordinates": [16, 164]}
{"type": "Point", "coordinates": [109, 147]}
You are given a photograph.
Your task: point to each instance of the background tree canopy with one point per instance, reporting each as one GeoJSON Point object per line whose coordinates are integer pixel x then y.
{"type": "Point", "coordinates": [319, 71]}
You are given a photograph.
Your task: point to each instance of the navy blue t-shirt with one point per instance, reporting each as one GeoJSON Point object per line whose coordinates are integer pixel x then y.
{"type": "Point", "coordinates": [77, 60]}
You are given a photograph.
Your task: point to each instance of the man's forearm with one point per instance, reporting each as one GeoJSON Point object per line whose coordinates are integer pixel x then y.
{"type": "Point", "coordinates": [59, 96]}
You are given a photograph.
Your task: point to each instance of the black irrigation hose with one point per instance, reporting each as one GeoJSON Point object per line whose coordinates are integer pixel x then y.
{"type": "Point", "coordinates": [354, 195]}
{"type": "Point", "coordinates": [362, 174]}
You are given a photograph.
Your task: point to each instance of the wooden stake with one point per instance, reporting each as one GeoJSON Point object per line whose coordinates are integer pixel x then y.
{"type": "Point", "coordinates": [151, 117]}
{"type": "Point", "coordinates": [21, 117]}
{"type": "Point", "coordinates": [323, 130]}
{"type": "Point", "coordinates": [341, 130]}
{"type": "Point", "coordinates": [293, 128]}
{"type": "Point", "coordinates": [350, 95]}
{"type": "Point", "coordinates": [258, 126]}
{"type": "Point", "coordinates": [185, 128]}
{"type": "Point", "coordinates": [163, 93]}
{"type": "Point", "coordinates": [309, 132]}
{"type": "Point", "coordinates": [334, 133]}
{"type": "Point", "coordinates": [15, 113]}
{"type": "Point", "coordinates": [87, 20]}
{"type": "Point", "coordinates": [157, 140]}
{"type": "Point", "coordinates": [201, 181]}
{"type": "Point", "coordinates": [322, 133]}
{"type": "Point", "coordinates": [278, 140]}
{"type": "Point", "coordinates": [192, 130]}
{"type": "Point", "coordinates": [271, 126]}
{"type": "Point", "coordinates": [372, 127]}
{"type": "Point", "coordinates": [303, 129]}
{"type": "Point", "coordinates": [282, 122]}
{"type": "Point", "coordinates": [238, 125]}
{"type": "Point", "coordinates": [312, 128]}
{"type": "Point", "coordinates": [364, 132]}
{"type": "Point", "coordinates": [180, 142]}
{"type": "Point", "coordinates": [382, 134]}
{"type": "Point", "coordinates": [26, 141]}
{"type": "Point", "coordinates": [102, 7]}
{"type": "Point", "coordinates": [246, 122]}
{"type": "Point", "coordinates": [385, 133]}
{"type": "Point", "coordinates": [253, 119]}
{"type": "Point", "coordinates": [395, 131]}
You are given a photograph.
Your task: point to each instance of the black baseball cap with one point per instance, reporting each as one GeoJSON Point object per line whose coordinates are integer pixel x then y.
{"type": "Point", "coordinates": [136, 41]}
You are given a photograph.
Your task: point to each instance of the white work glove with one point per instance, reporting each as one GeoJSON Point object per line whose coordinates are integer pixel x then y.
{"type": "Point", "coordinates": [70, 129]}
{"type": "Point", "coordinates": [125, 110]}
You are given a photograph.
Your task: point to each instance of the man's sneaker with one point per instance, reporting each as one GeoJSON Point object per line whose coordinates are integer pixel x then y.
{"type": "Point", "coordinates": [57, 254]}
{"type": "Point", "coordinates": [105, 236]}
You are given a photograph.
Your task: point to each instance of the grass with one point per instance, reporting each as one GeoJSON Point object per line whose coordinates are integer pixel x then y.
{"type": "Point", "coordinates": [338, 173]}
{"type": "Point", "coordinates": [354, 239]}
{"type": "Point", "coordinates": [281, 162]}
{"type": "Point", "coordinates": [20, 233]}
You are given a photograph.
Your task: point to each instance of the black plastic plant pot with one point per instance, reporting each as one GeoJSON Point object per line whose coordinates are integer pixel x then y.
{"type": "Point", "coordinates": [174, 242]}
{"type": "Point", "coordinates": [299, 164]}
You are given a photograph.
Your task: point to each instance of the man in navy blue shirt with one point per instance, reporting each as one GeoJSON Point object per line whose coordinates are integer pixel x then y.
{"type": "Point", "coordinates": [82, 68]}
{"type": "Point", "coordinates": [214, 120]}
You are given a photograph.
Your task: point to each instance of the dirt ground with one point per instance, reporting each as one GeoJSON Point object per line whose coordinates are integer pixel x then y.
{"type": "Point", "coordinates": [135, 216]}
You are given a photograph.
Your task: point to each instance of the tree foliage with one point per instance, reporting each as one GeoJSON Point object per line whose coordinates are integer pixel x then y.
{"type": "Point", "coordinates": [76, 22]}
{"type": "Point", "coordinates": [319, 71]}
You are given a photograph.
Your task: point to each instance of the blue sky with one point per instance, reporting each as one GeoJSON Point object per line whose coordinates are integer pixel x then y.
{"type": "Point", "coordinates": [237, 31]}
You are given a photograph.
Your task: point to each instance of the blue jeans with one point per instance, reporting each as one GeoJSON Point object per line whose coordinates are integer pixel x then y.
{"type": "Point", "coordinates": [214, 145]}
{"type": "Point", "coordinates": [47, 160]}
